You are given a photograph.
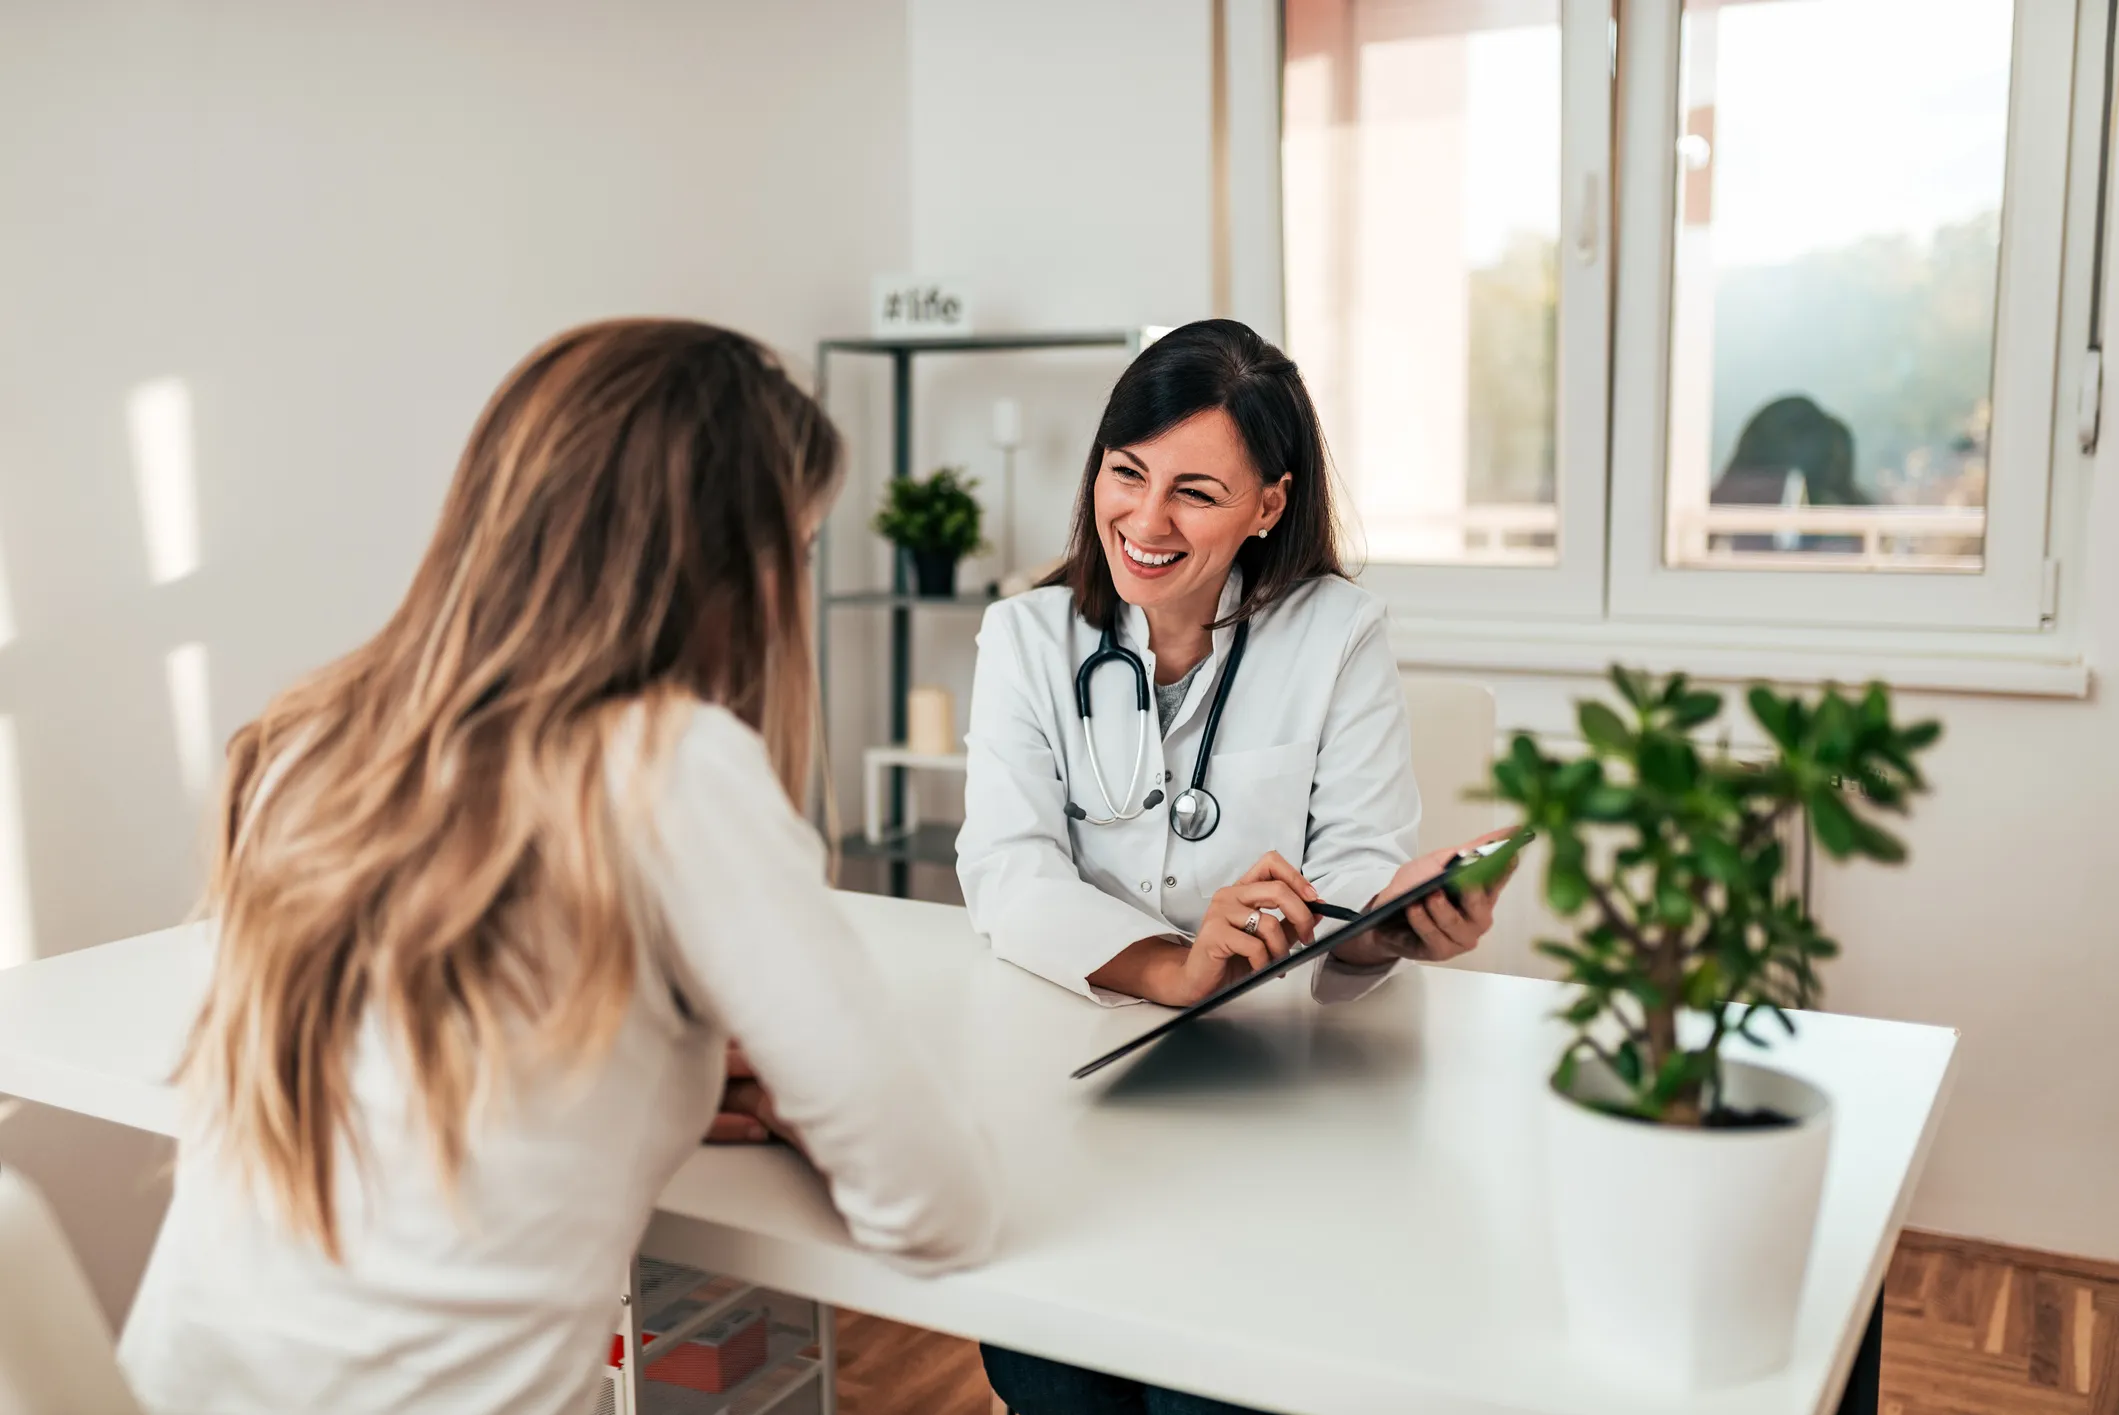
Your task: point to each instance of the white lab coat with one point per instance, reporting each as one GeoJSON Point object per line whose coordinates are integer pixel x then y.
{"type": "Point", "coordinates": [1313, 759]}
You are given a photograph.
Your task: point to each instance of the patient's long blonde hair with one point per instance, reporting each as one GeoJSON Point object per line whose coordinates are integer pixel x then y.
{"type": "Point", "coordinates": [423, 829]}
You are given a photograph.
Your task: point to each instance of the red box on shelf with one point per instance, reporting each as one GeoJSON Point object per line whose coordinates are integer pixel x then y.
{"type": "Point", "coordinates": [719, 1356]}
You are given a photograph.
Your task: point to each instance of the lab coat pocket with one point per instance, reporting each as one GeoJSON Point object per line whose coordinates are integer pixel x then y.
{"type": "Point", "coordinates": [1265, 805]}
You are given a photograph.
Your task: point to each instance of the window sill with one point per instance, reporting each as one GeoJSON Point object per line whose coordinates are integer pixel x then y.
{"type": "Point", "coordinates": [2035, 666]}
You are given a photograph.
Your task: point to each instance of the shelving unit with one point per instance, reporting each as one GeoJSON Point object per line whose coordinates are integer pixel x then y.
{"type": "Point", "coordinates": [929, 844]}
{"type": "Point", "coordinates": [675, 1303]}
{"type": "Point", "coordinates": [776, 1386]}
{"type": "Point", "coordinates": [876, 763]}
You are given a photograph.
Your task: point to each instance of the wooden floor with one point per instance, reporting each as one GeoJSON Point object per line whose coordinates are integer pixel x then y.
{"type": "Point", "coordinates": [888, 1369]}
{"type": "Point", "coordinates": [1969, 1329]}
{"type": "Point", "coordinates": [1977, 1329]}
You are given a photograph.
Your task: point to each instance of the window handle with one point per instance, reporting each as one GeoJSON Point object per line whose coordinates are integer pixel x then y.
{"type": "Point", "coordinates": [1588, 223]}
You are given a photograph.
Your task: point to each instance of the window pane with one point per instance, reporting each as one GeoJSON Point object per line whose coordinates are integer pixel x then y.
{"type": "Point", "coordinates": [1839, 230]}
{"type": "Point", "coordinates": [1421, 192]}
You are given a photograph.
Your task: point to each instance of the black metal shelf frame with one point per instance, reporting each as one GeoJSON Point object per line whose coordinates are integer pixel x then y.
{"type": "Point", "coordinates": [932, 843]}
{"type": "Point", "coordinates": [899, 599]}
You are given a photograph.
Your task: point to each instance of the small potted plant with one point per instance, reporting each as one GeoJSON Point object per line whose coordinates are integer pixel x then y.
{"type": "Point", "coordinates": [1685, 1179]}
{"type": "Point", "coordinates": [935, 520]}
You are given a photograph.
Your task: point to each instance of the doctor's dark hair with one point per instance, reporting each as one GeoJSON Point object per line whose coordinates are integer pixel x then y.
{"type": "Point", "coordinates": [1217, 363]}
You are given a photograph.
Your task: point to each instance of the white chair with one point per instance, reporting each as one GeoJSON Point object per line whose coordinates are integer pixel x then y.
{"type": "Point", "coordinates": [1453, 753]}
{"type": "Point", "coordinates": [56, 1354]}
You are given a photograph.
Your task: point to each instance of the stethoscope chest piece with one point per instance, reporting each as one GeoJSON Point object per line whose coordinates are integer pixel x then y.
{"type": "Point", "coordinates": [1195, 813]}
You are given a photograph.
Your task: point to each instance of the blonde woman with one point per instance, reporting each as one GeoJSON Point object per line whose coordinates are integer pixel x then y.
{"type": "Point", "coordinates": [494, 892]}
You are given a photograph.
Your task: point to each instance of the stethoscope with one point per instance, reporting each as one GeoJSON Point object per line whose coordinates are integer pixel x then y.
{"type": "Point", "coordinates": [1195, 812]}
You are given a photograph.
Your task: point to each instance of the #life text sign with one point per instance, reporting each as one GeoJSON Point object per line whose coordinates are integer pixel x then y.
{"type": "Point", "coordinates": [913, 307]}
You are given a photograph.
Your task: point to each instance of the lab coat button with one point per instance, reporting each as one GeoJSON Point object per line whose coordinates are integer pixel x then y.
{"type": "Point", "coordinates": [1146, 885]}
{"type": "Point", "coordinates": [1169, 881]}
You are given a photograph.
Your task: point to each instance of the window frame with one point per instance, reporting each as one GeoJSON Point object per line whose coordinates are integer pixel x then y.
{"type": "Point", "coordinates": [1467, 618]}
{"type": "Point", "coordinates": [1572, 588]}
{"type": "Point", "coordinates": [2029, 368]}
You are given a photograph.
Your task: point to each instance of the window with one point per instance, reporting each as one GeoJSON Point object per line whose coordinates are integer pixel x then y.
{"type": "Point", "coordinates": [1823, 378]}
{"type": "Point", "coordinates": [1836, 256]}
{"type": "Point", "coordinates": [1424, 263]}
{"type": "Point", "coordinates": [1445, 299]}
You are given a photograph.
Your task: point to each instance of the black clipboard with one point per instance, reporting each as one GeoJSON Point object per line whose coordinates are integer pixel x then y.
{"type": "Point", "coordinates": [1360, 924]}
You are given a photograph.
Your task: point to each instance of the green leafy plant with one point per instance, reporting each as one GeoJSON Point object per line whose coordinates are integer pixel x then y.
{"type": "Point", "coordinates": [1671, 858]}
{"type": "Point", "coordinates": [933, 514]}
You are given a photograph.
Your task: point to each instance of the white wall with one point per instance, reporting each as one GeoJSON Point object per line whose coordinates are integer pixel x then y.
{"type": "Point", "coordinates": [1059, 157]}
{"type": "Point", "coordinates": [340, 225]}
{"type": "Point", "coordinates": [1060, 168]}
{"type": "Point", "coordinates": [2003, 926]}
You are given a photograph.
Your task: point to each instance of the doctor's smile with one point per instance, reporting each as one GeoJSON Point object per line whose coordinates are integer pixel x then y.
{"type": "Point", "coordinates": [1149, 564]}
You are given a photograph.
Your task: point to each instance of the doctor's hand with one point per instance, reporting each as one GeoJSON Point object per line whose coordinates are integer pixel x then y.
{"type": "Point", "coordinates": [1176, 974]}
{"type": "Point", "coordinates": [1225, 950]}
{"type": "Point", "coordinates": [1434, 930]}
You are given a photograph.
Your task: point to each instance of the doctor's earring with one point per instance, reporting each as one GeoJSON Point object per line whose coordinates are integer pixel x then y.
{"type": "Point", "coordinates": [1262, 531]}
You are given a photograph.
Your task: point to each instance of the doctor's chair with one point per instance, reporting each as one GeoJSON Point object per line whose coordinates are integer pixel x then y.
{"type": "Point", "coordinates": [1453, 753]}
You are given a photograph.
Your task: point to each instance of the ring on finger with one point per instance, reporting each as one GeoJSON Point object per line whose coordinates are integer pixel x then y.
{"type": "Point", "coordinates": [1250, 925]}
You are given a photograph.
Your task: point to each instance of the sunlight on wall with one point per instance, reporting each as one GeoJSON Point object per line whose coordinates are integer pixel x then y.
{"type": "Point", "coordinates": [190, 717]}
{"type": "Point", "coordinates": [18, 943]}
{"type": "Point", "coordinates": [7, 608]}
{"type": "Point", "coordinates": [158, 414]}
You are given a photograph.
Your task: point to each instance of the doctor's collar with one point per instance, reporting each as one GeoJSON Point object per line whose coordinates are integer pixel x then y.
{"type": "Point", "coordinates": [1132, 626]}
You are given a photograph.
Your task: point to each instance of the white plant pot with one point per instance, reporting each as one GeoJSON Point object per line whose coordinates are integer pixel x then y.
{"type": "Point", "coordinates": [1681, 1251]}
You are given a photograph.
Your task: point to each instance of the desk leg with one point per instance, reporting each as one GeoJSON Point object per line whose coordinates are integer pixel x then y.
{"type": "Point", "coordinates": [828, 1357]}
{"type": "Point", "coordinates": [1862, 1395]}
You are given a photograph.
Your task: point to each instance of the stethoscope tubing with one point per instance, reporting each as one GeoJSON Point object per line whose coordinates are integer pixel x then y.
{"type": "Point", "coordinates": [1197, 802]}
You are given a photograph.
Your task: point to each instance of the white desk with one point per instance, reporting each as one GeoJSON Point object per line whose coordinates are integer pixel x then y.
{"type": "Point", "coordinates": [1330, 1211]}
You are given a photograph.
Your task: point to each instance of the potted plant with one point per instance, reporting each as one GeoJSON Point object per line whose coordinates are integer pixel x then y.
{"type": "Point", "coordinates": [1685, 1181]}
{"type": "Point", "coordinates": [936, 521]}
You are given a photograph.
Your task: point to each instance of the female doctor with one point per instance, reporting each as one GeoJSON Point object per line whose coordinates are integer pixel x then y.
{"type": "Point", "coordinates": [1192, 732]}
{"type": "Point", "coordinates": [1194, 729]}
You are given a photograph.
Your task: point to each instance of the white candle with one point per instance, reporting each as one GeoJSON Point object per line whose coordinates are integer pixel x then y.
{"type": "Point", "coordinates": [1007, 423]}
{"type": "Point", "coordinates": [930, 721]}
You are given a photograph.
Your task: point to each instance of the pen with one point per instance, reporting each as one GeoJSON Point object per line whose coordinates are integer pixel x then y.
{"type": "Point", "coordinates": [1334, 911]}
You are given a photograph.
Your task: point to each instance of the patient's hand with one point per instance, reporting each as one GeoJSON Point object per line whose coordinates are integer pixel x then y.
{"type": "Point", "coordinates": [747, 1114]}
